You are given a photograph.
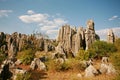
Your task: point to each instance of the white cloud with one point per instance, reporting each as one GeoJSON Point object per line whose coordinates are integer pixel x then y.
{"type": "Point", "coordinates": [103, 33]}
{"type": "Point", "coordinates": [52, 32]}
{"type": "Point", "coordinates": [59, 21]}
{"type": "Point", "coordinates": [113, 18]}
{"type": "Point", "coordinates": [46, 22]}
{"type": "Point", "coordinates": [30, 12]}
{"type": "Point", "coordinates": [33, 18]}
{"type": "Point", "coordinates": [4, 13]}
{"type": "Point", "coordinates": [45, 28]}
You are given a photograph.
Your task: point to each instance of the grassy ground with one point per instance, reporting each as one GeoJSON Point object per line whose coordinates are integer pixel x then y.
{"type": "Point", "coordinates": [71, 74]}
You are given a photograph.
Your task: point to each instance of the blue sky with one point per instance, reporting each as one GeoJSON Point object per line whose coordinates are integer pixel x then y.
{"type": "Point", "coordinates": [47, 16]}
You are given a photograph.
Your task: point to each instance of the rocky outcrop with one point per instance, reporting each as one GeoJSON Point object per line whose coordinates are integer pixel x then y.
{"type": "Point", "coordinates": [89, 34]}
{"type": "Point", "coordinates": [79, 39]}
{"type": "Point", "coordinates": [37, 63]}
{"type": "Point", "coordinates": [110, 36]}
{"type": "Point", "coordinates": [72, 39]}
{"type": "Point", "coordinates": [6, 71]}
{"type": "Point", "coordinates": [10, 45]}
{"type": "Point", "coordinates": [90, 71]}
{"type": "Point", "coordinates": [106, 67]}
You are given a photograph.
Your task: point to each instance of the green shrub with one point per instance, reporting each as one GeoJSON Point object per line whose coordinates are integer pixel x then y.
{"type": "Point", "coordinates": [102, 48]}
{"type": "Point", "coordinates": [63, 67]}
{"type": "Point", "coordinates": [23, 77]}
{"type": "Point", "coordinates": [2, 56]}
{"type": "Point", "coordinates": [55, 66]}
{"type": "Point", "coordinates": [82, 55]}
{"type": "Point", "coordinates": [115, 58]}
{"type": "Point", "coordinates": [117, 44]}
{"type": "Point", "coordinates": [26, 56]}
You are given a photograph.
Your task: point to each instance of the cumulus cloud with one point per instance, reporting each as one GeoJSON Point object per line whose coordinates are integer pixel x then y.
{"type": "Point", "coordinates": [4, 13]}
{"type": "Point", "coordinates": [33, 18]}
{"type": "Point", "coordinates": [113, 18]}
{"type": "Point", "coordinates": [30, 12]}
{"type": "Point", "coordinates": [46, 22]}
{"type": "Point", "coordinates": [52, 31]}
{"type": "Point", "coordinates": [103, 33]}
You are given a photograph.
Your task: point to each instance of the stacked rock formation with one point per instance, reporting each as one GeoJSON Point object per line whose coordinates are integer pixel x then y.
{"type": "Point", "coordinates": [110, 36]}
{"type": "Point", "coordinates": [72, 40]}
{"type": "Point", "coordinates": [11, 44]}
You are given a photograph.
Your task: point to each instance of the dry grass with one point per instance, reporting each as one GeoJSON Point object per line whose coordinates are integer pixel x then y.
{"type": "Point", "coordinates": [71, 75]}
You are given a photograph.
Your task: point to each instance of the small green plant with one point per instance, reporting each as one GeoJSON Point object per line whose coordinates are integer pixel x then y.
{"type": "Point", "coordinates": [23, 77]}
{"type": "Point", "coordinates": [2, 56]}
{"type": "Point", "coordinates": [26, 56]}
{"type": "Point", "coordinates": [82, 55]}
{"type": "Point", "coordinates": [115, 58]}
{"type": "Point", "coordinates": [63, 67]}
{"type": "Point", "coordinates": [117, 44]}
{"type": "Point", "coordinates": [102, 48]}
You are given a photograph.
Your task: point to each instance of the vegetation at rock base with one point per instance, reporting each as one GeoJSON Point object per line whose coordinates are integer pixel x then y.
{"type": "Point", "coordinates": [26, 56]}
{"type": "Point", "coordinates": [82, 55]}
{"type": "Point", "coordinates": [102, 48]}
{"type": "Point", "coordinates": [117, 44]}
{"type": "Point", "coordinates": [23, 77]}
{"type": "Point", "coordinates": [115, 58]}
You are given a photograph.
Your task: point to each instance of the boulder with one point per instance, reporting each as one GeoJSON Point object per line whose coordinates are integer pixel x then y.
{"type": "Point", "coordinates": [33, 64]}
{"type": "Point", "coordinates": [111, 69]}
{"type": "Point", "coordinates": [37, 63]}
{"type": "Point", "coordinates": [107, 68]}
{"type": "Point", "coordinates": [60, 60]}
{"type": "Point", "coordinates": [90, 71]}
{"type": "Point", "coordinates": [18, 62]}
{"type": "Point", "coordinates": [105, 60]}
{"type": "Point", "coordinates": [103, 68]}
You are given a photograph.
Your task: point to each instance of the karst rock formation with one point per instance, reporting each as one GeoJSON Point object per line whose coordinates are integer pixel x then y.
{"type": "Point", "coordinates": [72, 39]}
{"type": "Point", "coordinates": [110, 36]}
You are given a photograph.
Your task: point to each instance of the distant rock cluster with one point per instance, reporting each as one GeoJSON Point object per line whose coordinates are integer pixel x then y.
{"type": "Point", "coordinates": [11, 44]}
{"type": "Point", "coordinates": [72, 39]}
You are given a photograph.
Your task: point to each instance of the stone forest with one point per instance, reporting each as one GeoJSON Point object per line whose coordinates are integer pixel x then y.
{"type": "Point", "coordinates": [76, 54]}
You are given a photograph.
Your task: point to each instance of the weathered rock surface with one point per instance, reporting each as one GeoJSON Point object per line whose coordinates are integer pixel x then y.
{"type": "Point", "coordinates": [89, 34]}
{"type": "Point", "coordinates": [107, 68]}
{"type": "Point", "coordinates": [18, 71]}
{"type": "Point", "coordinates": [110, 36]}
{"type": "Point", "coordinates": [72, 40]}
{"type": "Point", "coordinates": [90, 71]}
{"type": "Point", "coordinates": [37, 63]}
{"type": "Point", "coordinates": [18, 62]}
